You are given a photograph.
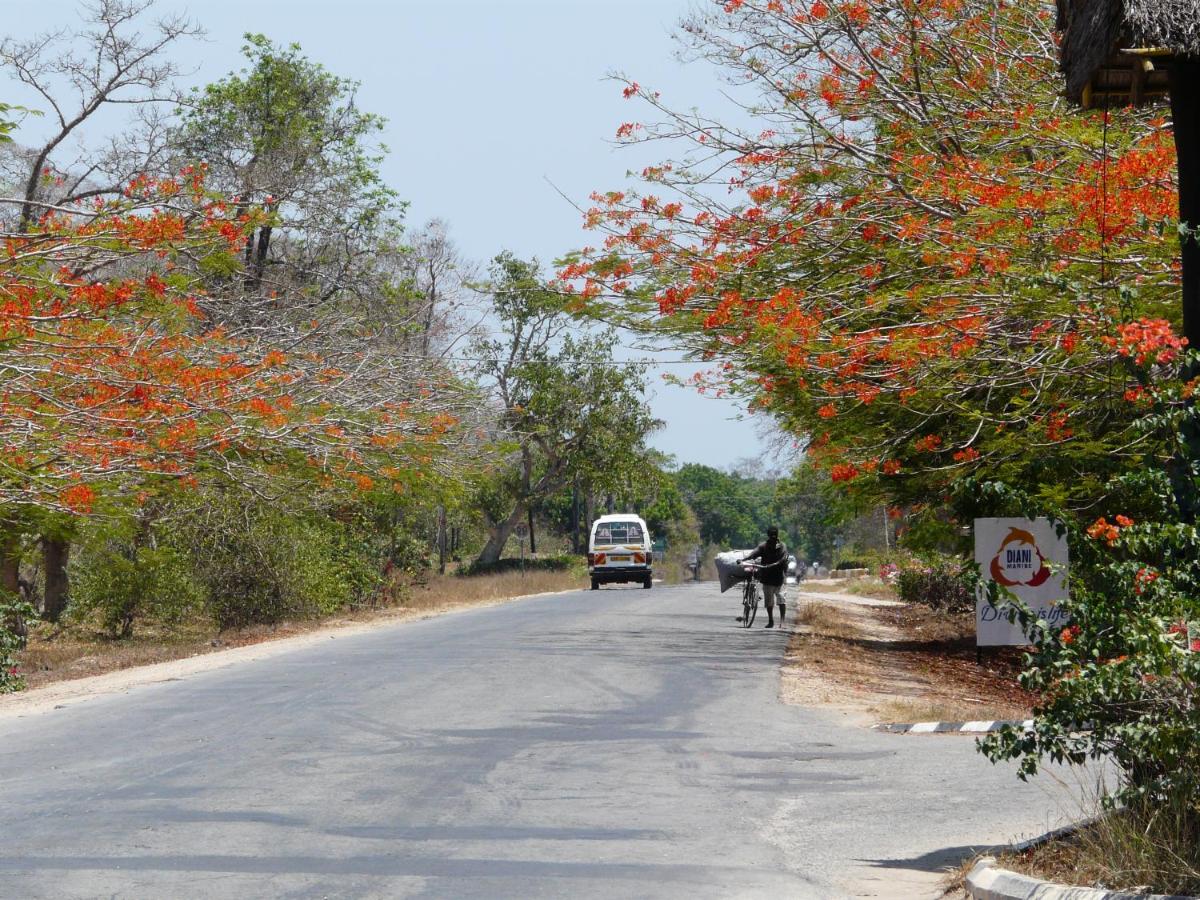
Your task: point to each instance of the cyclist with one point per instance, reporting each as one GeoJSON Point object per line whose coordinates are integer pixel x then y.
{"type": "Point", "coordinates": [772, 557]}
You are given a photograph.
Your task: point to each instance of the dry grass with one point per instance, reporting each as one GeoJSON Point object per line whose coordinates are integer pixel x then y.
{"type": "Point", "coordinates": [825, 618]}
{"type": "Point", "coordinates": [954, 881]}
{"type": "Point", "coordinates": [62, 653]}
{"type": "Point", "coordinates": [1148, 847]}
{"type": "Point", "coordinates": [862, 586]}
{"type": "Point", "coordinates": [935, 710]}
{"type": "Point", "coordinates": [470, 590]}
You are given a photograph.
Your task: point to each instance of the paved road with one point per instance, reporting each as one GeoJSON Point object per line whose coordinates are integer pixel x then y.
{"type": "Point", "coordinates": [624, 743]}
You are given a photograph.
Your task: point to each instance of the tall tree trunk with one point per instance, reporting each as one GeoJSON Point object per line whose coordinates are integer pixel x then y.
{"type": "Point", "coordinates": [1185, 115]}
{"type": "Point", "coordinates": [532, 539]}
{"type": "Point", "coordinates": [256, 257]}
{"type": "Point", "coordinates": [10, 580]}
{"type": "Point", "coordinates": [499, 537]}
{"type": "Point", "coordinates": [55, 554]}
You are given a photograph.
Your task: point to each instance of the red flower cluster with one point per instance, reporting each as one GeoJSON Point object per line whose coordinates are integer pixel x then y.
{"type": "Point", "coordinates": [1107, 531]}
{"type": "Point", "coordinates": [1144, 578]}
{"type": "Point", "coordinates": [1147, 339]}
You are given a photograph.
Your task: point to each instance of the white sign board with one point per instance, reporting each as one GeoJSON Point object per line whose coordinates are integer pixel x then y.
{"type": "Point", "coordinates": [1029, 559]}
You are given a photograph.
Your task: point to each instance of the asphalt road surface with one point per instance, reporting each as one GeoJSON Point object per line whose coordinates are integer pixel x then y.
{"type": "Point", "coordinates": [620, 743]}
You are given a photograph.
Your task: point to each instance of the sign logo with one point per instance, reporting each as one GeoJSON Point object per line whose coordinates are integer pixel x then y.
{"type": "Point", "coordinates": [1019, 561]}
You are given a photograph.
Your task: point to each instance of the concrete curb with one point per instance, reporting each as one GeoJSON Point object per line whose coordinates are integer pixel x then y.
{"type": "Point", "coordinates": [982, 726]}
{"type": "Point", "coordinates": [987, 881]}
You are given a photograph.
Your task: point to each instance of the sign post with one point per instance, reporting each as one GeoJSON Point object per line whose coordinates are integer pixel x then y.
{"type": "Point", "coordinates": [1028, 558]}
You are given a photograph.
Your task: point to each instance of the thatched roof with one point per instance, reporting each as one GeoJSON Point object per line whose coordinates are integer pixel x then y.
{"type": "Point", "coordinates": [1113, 50]}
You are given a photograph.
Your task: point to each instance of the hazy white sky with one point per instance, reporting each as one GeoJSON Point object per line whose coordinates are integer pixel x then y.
{"type": "Point", "coordinates": [492, 108]}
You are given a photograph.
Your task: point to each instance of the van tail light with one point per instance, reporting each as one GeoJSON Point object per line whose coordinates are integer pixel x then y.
{"type": "Point", "coordinates": [591, 559]}
{"type": "Point", "coordinates": [600, 558]}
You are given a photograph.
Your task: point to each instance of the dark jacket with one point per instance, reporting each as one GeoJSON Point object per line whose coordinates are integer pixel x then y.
{"type": "Point", "coordinates": [774, 557]}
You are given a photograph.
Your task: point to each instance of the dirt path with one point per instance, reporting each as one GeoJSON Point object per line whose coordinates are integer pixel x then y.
{"type": "Point", "coordinates": [875, 660]}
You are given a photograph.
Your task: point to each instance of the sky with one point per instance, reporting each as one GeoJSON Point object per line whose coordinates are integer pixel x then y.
{"type": "Point", "coordinates": [499, 115]}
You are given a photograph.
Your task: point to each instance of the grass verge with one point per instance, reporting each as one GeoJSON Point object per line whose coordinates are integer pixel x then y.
{"type": "Point", "coordinates": [1149, 847]}
{"type": "Point", "coordinates": [861, 586]}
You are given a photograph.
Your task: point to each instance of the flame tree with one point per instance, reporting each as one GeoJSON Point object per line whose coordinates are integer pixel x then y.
{"type": "Point", "coordinates": [113, 380]}
{"type": "Point", "coordinates": [915, 256]}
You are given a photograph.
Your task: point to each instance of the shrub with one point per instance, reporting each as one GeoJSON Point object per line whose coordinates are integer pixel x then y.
{"type": "Point", "coordinates": [124, 584]}
{"type": "Point", "coordinates": [260, 566]}
{"type": "Point", "coordinates": [943, 584]}
{"type": "Point", "coordinates": [559, 563]}
{"type": "Point", "coordinates": [1121, 680]}
{"type": "Point", "coordinates": [13, 615]}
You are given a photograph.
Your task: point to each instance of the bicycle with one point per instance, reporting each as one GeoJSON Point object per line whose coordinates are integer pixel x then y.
{"type": "Point", "coordinates": [750, 594]}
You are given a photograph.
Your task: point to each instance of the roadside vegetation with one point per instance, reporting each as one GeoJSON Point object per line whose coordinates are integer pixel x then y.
{"type": "Point", "coordinates": [239, 389]}
{"type": "Point", "coordinates": [1146, 845]}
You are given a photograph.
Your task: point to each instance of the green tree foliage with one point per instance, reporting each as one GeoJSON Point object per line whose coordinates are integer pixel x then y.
{"type": "Point", "coordinates": [121, 585]}
{"type": "Point", "coordinates": [285, 136]}
{"type": "Point", "coordinates": [647, 488]}
{"type": "Point", "coordinates": [261, 563]}
{"type": "Point", "coordinates": [811, 510]}
{"type": "Point", "coordinates": [566, 407]}
{"type": "Point", "coordinates": [733, 511]}
{"type": "Point", "coordinates": [14, 613]}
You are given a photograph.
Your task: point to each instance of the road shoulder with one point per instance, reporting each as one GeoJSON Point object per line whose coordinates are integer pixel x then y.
{"type": "Point", "coordinates": [873, 661]}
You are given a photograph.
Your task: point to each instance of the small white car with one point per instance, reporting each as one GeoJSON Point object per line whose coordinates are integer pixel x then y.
{"type": "Point", "coordinates": [619, 550]}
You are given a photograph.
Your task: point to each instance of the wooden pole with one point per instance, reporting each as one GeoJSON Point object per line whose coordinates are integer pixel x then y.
{"type": "Point", "coordinates": [1185, 115]}
{"type": "Point", "coordinates": [1185, 118]}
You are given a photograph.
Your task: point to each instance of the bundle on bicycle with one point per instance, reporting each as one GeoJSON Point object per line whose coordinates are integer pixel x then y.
{"type": "Point", "coordinates": [765, 576]}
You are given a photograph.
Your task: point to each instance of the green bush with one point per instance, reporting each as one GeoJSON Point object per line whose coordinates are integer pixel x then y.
{"type": "Point", "coordinates": [562, 562]}
{"type": "Point", "coordinates": [1121, 682]}
{"type": "Point", "coordinates": [942, 583]}
{"type": "Point", "coordinates": [14, 613]}
{"type": "Point", "coordinates": [123, 584]}
{"type": "Point", "coordinates": [262, 566]}
{"type": "Point", "coordinates": [1123, 679]}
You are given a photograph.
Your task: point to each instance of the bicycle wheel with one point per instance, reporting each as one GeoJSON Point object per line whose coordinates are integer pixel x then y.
{"type": "Point", "coordinates": [749, 604]}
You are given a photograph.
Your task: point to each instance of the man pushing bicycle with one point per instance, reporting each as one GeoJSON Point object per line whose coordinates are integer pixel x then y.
{"type": "Point", "coordinates": [772, 556]}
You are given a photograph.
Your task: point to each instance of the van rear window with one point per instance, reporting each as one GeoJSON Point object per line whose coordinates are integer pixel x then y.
{"type": "Point", "coordinates": [619, 533]}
